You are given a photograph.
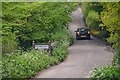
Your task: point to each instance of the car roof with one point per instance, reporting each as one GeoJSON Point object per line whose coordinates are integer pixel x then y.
{"type": "Point", "coordinates": [82, 28]}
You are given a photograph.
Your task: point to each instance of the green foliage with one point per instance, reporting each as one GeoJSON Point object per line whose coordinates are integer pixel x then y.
{"type": "Point", "coordinates": [110, 18]}
{"type": "Point", "coordinates": [116, 59]}
{"type": "Point", "coordinates": [91, 12]}
{"type": "Point", "coordinates": [105, 73]}
{"type": "Point", "coordinates": [28, 21]}
{"type": "Point", "coordinates": [60, 53]}
{"type": "Point", "coordinates": [103, 34]}
{"type": "Point", "coordinates": [64, 40]}
{"type": "Point", "coordinates": [64, 36]}
{"type": "Point", "coordinates": [34, 21]}
{"type": "Point", "coordinates": [93, 20]}
{"type": "Point", "coordinates": [26, 65]}
{"type": "Point", "coordinates": [0, 65]}
{"type": "Point", "coordinates": [86, 7]}
{"type": "Point", "coordinates": [104, 22]}
{"type": "Point", "coordinates": [9, 44]}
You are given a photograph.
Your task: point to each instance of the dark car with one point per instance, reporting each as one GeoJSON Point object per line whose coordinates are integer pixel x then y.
{"type": "Point", "coordinates": [82, 33]}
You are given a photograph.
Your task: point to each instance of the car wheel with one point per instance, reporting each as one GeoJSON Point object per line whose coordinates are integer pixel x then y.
{"type": "Point", "coordinates": [77, 38]}
{"type": "Point", "coordinates": [89, 37]}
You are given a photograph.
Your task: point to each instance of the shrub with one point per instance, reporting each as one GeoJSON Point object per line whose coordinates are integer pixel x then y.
{"type": "Point", "coordinates": [116, 59]}
{"type": "Point", "coordinates": [60, 53]}
{"type": "Point", "coordinates": [8, 42]}
{"type": "Point", "coordinates": [109, 18]}
{"type": "Point", "coordinates": [26, 22]}
{"type": "Point", "coordinates": [63, 36]}
{"type": "Point", "coordinates": [105, 73]}
{"type": "Point", "coordinates": [91, 12]}
{"type": "Point", "coordinates": [64, 40]}
{"type": "Point", "coordinates": [0, 67]}
{"type": "Point", "coordinates": [26, 65]}
{"type": "Point", "coordinates": [93, 20]}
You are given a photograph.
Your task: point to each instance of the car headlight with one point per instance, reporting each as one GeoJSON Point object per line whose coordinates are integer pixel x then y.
{"type": "Point", "coordinates": [88, 32]}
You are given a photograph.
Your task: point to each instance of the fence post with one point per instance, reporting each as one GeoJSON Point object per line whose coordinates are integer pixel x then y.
{"type": "Point", "coordinates": [50, 47]}
{"type": "Point", "coordinates": [33, 45]}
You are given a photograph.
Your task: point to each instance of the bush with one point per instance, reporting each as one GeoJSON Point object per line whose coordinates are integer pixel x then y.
{"type": "Point", "coordinates": [100, 34]}
{"type": "Point", "coordinates": [26, 65]}
{"type": "Point", "coordinates": [8, 42]}
{"type": "Point", "coordinates": [60, 53]}
{"type": "Point", "coordinates": [91, 6]}
{"type": "Point", "coordinates": [93, 20]}
{"type": "Point", "coordinates": [26, 22]}
{"type": "Point", "coordinates": [105, 73]}
{"type": "Point", "coordinates": [116, 59]}
{"type": "Point", "coordinates": [109, 18]}
{"type": "Point", "coordinates": [85, 10]}
{"type": "Point", "coordinates": [0, 66]}
{"type": "Point", "coordinates": [64, 40]}
{"type": "Point", "coordinates": [63, 37]}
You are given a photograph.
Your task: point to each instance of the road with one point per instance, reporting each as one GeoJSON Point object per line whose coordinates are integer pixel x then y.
{"type": "Point", "coordinates": [83, 56]}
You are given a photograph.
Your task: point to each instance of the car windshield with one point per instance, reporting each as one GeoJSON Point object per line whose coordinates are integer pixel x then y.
{"type": "Point", "coordinates": [83, 30]}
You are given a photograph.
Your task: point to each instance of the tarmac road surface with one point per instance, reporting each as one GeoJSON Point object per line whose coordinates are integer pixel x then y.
{"type": "Point", "coordinates": [83, 56]}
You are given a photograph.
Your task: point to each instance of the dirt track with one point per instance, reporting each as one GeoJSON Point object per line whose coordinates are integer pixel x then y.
{"type": "Point", "coordinates": [83, 56]}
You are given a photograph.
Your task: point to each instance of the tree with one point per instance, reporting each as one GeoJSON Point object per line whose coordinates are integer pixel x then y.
{"type": "Point", "coordinates": [111, 19]}
{"type": "Point", "coordinates": [24, 22]}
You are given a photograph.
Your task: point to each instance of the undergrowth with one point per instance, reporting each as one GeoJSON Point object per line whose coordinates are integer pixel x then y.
{"type": "Point", "coordinates": [27, 64]}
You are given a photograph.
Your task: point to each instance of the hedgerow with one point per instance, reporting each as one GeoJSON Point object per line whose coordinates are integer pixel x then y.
{"type": "Point", "coordinates": [104, 23]}
{"type": "Point", "coordinates": [25, 22]}
{"type": "Point", "coordinates": [92, 19]}
{"type": "Point", "coordinates": [27, 64]}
